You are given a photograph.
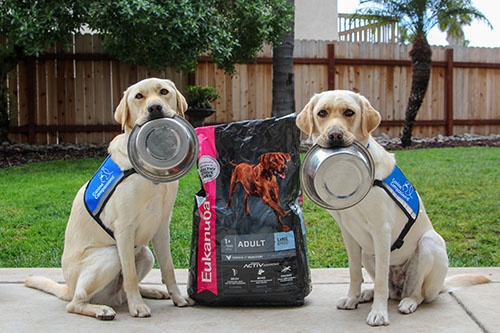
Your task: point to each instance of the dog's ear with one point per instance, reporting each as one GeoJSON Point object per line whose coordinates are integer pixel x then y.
{"type": "Point", "coordinates": [264, 159]}
{"type": "Point", "coordinates": [370, 118]}
{"type": "Point", "coordinates": [305, 120]}
{"type": "Point", "coordinates": [122, 112]}
{"type": "Point", "coordinates": [181, 104]}
{"type": "Point", "coordinates": [181, 101]}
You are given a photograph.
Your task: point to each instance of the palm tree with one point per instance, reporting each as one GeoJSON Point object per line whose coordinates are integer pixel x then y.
{"type": "Point", "coordinates": [416, 18]}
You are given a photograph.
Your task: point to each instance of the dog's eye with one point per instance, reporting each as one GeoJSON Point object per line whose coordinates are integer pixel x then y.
{"type": "Point", "coordinates": [322, 113]}
{"type": "Point", "coordinates": [139, 96]}
{"type": "Point", "coordinates": [348, 113]}
{"type": "Point", "coordinates": [164, 91]}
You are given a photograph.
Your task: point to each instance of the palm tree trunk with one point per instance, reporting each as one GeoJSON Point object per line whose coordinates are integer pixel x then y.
{"type": "Point", "coordinates": [420, 55]}
{"type": "Point", "coordinates": [283, 77]}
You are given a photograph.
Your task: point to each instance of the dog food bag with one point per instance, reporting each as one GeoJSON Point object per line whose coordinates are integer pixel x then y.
{"type": "Point", "coordinates": [249, 245]}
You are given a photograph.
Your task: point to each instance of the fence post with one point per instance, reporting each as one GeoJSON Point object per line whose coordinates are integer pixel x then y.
{"type": "Point", "coordinates": [331, 66]}
{"type": "Point", "coordinates": [31, 98]}
{"type": "Point", "coordinates": [449, 92]}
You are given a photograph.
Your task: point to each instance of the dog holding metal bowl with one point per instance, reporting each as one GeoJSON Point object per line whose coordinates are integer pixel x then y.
{"type": "Point", "coordinates": [382, 218]}
{"type": "Point", "coordinates": [127, 204]}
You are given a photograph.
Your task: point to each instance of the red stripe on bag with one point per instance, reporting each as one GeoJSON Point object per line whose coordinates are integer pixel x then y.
{"type": "Point", "coordinates": [208, 169]}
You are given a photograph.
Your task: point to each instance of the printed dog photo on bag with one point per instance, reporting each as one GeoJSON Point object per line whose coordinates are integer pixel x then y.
{"type": "Point", "coordinates": [260, 180]}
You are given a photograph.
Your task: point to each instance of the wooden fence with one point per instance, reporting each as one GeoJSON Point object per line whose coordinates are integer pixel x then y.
{"type": "Point", "coordinates": [64, 97]}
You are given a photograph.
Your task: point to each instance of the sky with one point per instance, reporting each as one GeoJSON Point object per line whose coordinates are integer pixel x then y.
{"type": "Point", "coordinates": [478, 33]}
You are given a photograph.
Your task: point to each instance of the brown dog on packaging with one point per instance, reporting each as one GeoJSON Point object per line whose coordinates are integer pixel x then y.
{"type": "Point", "coordinates": [259, 180]}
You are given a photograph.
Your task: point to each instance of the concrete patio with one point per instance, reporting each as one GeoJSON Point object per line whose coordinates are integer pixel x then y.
{"type": "Point", "coordinates": [474, 309]}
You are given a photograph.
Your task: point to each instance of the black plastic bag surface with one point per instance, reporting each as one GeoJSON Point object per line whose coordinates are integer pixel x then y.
{"type": "Point", "coordinates": [249, 245]}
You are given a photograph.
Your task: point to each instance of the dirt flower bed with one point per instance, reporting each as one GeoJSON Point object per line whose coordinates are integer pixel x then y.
{"type": "Point", "coordinates": [440, 141]}
{"type": "Point", "coordinates": [19, 154]}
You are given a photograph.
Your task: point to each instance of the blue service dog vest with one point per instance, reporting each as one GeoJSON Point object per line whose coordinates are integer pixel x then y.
{"type": "Point", "coordinates": [100, 188]}
{"type": "Point", "coordinates": [404, 194]}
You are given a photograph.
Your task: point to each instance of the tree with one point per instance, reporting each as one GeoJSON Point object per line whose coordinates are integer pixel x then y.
{"type": "Point", "coordinates": [417, 18]}
{"type": "Point", "coordinates": [283, 76]}
{"type": "Point", "coordinates": [453, 25]}
{"type": "Point", "coordinates": [157, 33]}
{"type": "Point", "coordinates": [152, 33]}
{"type": "Point", "coordinates": [26, 28]}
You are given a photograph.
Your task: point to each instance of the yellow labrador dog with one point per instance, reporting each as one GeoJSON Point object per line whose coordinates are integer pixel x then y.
{"type": "Point", "coordinates": [99, 269]}
{"type": "Point", "coordinates": [412, 273]}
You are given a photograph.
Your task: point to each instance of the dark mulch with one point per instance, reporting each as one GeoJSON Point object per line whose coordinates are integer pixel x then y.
{"type": "Point", "coordinates": [446, 144]}
{"type": "Point", "coordinates": [19, 154]}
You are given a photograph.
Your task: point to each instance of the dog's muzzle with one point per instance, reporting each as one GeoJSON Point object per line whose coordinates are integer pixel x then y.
{"type": "Point", "coordinates": [336, 137]}
{"type": "Point", "coordinates": [156, 110]}
{"type": "Point", "coordinates": [281, 173]}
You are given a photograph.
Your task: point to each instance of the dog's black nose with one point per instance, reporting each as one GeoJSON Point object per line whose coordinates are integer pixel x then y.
{"type": "Point", "coordinates": [155, 107]}
{"type": "Point", "coordinates": [335, 135]}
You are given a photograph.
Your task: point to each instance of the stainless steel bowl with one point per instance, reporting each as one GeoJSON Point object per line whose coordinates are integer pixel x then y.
{"type": "Point", "coordinates": [337, 178]}
{"type": "Point", "coordinates": [163, 149]}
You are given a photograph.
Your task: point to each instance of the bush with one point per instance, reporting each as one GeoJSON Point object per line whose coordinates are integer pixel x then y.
{"type": "Point", "coordinates": [200, 97]}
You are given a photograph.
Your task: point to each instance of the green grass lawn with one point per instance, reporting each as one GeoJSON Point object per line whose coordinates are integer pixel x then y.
{"type": "Point", "coordinates": [459, 186]}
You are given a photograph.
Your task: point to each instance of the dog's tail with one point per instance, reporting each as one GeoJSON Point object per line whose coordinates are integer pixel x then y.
{"type": "Point", "coordinates": [460, 281]}
{"type": "Point", "coordinates": [45, 284]}
{"type": "Point", "coordinates": [230, 162]}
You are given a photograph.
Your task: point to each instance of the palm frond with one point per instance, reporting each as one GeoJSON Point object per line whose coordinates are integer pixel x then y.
{"type": "Point", "coordinates": [418, 17]}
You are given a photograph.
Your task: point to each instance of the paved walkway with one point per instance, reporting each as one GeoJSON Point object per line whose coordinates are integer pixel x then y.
{"type": "Point", "coordinates": [474, 309]}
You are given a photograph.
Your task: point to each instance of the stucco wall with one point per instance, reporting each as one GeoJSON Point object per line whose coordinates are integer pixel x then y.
{"type": "Point", "coordinates": [316, 19]}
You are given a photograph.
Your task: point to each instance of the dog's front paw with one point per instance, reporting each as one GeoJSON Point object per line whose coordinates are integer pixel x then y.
{"type": "Point", "coordinates": [366, 296]}
{"type": "Point", "coordinates": [347, 303]}
{"type": "Point", "coordinates": [378, 317]}
{"type": "Point", "coordinates": [105, 313]}
{"type": "Point", "coordinates": [140, 310]}
{"type": "Point", "coordinates": [407, 305]}
{"type": "Point", "coordinates": [153, 292]}
{"type": "Point", "coordinates": [182, 301]}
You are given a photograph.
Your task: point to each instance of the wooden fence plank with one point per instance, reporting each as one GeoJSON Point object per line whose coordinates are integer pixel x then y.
{"type": "Point", "coordinates": [236, 94]}
{"type": "Point", "coordinates": [14, 102]}
{"type": "Point", "coordinates": [89, 90]}
{"type": "Point", "coordinates": [101, 98]}
{"type": "Point", "coordinates": [116, 90]}
{"type": "Point", "coordinates": [41, 118]}
{"type": "Point", "coordinates": [52, 116]}
{"type": "Point", "coordinates": [70, 98]}
{"type": "Point", "coordinates": [80, 116]}
{"type": "Point", "coordinates": [61, 95]}
{"type": "Point", "coordinates": [243, 105]}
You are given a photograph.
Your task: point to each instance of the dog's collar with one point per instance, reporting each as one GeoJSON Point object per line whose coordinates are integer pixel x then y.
{"type": "Point", "coordinates": [100, 188]}
{"type": "Point", "coordinates": [399, 188]}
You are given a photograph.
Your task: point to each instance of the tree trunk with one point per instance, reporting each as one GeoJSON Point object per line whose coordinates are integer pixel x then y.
{"type": "Point", "coordinates": [283, 77]}
{"type": "Point", "coordinates": [420, 55]}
